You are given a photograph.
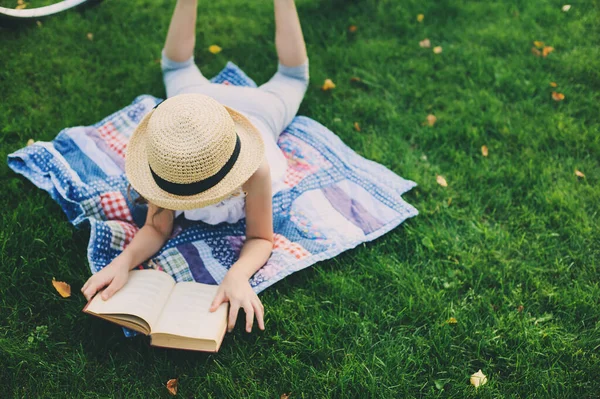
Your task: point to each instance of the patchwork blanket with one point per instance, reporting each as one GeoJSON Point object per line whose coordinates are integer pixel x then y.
{"type": "Point", "coordinates": [334, 200]}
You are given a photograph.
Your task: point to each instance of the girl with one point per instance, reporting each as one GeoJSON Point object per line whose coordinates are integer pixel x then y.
{"type": "Point", "coordinates": [209, 153]}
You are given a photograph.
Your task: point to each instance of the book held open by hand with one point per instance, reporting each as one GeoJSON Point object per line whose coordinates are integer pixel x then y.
{"type": "Point", "coordinates": [175, 315]}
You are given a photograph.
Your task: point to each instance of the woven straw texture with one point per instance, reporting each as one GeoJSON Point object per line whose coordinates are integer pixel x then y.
{"type": "Point", "coordinates": [186, 139]}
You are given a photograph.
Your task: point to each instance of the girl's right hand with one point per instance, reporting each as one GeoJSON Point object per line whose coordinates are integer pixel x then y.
{"type": "Point", "coordinates": [114, 276]}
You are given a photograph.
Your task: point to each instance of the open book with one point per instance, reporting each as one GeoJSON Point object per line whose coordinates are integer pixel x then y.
{"type": "Point", "coordinates": [175, 315]}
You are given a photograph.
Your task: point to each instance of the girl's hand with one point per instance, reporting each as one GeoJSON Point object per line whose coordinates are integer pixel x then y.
{"type": "Point", "coordinates": [236, 290]}
{"type": "Point", "coordinates": [114, 276]}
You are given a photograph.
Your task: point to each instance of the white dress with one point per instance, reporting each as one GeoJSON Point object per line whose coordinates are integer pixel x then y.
{"type": "Point", "coordinates": [270, 107]}
{"type": "Point", "coordinates": [232, 209]}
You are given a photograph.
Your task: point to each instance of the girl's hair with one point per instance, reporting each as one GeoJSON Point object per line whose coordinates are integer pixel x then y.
{"type": "Point", "coordinates": [140, 200]}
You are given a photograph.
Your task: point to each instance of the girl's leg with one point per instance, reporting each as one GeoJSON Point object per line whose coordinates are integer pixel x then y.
{"type": "Point", "coordinates": [180, 73]}
{"type": "Point", "coordinates": [289, 40]}
{"type": "Point", "coordinates": [289, 84]}
{"type": "Point", "coordinates": [181, 38]}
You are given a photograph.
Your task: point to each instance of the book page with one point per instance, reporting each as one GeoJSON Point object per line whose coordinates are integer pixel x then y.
{"type": "Point", "coordinates": [186, 313]}
{"type": "Point", "coordinates": [144, 295]}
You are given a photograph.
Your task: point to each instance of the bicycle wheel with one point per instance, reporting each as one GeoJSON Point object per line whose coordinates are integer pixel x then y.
{"type": "Point", "coordinates": [12, 15]}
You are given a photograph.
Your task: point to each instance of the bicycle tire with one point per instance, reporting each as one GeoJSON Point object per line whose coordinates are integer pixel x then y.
{"type": "Point", "coordinates": [12, 16]}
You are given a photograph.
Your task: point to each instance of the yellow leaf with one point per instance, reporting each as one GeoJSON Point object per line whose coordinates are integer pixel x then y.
{"type": "Point", "coordinates": [90, 36]}
{"type": "Point", "coordinates": [484, 150]}
{"type": "Point", "coordinates": [328, 85]}
{"type": "Point", "coordinates": [547, 50]}
{"type": "Point", "coordinates": [566, 7]}
{"type": "Point", "coordinates": [452, 320]}
{"type": "Point", "coordinates": [285, 396]}
{"type": "Point", "coordinates": [538, 44]}
{"type": "Point", "coordinates": [536, 52]}
{"type": "Point", "coordinates": [441, 181]}
{"type": "Point", "coordinates": [478, 379]}
{"type": "Point", "coordinates": [557, 96]}
{"type": "Point", "coordinates": [578, 173]}
{"type": "Point", "coordinates": [172, 386]}
{"type": "Point", "coordinates": [431, 119]}
{"type": "Point", "coordinates": [30, 142]}
{"type": "Point", "coordinates": [352, 28]}
{"type": "Point", "coordinates": [214, 49]}
{"type": "Point", "coordinates": [355, 79]}
{"type": "Point", "coordinates": [553, 84]}
{"type": "Point", "coordinates": [425, 43]}
{"type": "Point", "coordinates": [62, 288]}
{"type": "Point", "coordinates": [420, 17]}
{"type": "Point", "coordinates": [21, 6]}
{"type": "Point", "coordinates": [357, 126]}
{"type": "Point", "coordinates": [437, 49]}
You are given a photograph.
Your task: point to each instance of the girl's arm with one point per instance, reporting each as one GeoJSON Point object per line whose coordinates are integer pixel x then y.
{"type": "Point", "coordinates": [257, 249]}
{"type": "Point", "coordinates": [148, 240]}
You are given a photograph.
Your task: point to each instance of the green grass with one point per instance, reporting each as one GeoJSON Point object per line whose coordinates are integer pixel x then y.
{"type": "Point", "coordinates": [515, 229]}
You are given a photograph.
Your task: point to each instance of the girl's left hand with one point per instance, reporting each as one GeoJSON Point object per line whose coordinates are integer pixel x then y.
{"type": "Point", "coordinates": [236, 290]}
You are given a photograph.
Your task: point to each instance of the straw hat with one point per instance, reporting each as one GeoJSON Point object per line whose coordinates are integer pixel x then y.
{"type": "Point", "coordinates": [190, 152]}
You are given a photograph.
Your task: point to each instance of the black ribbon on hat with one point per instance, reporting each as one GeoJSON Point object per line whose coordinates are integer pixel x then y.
{"type": "Point", "coordinates": [202, 185]}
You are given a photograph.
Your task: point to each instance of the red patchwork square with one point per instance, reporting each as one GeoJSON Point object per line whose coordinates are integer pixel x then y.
{"type": "Point", "coordinates": [293, 177]}
{"type": "Point", "coordinates": [115, 207]}
{"type": "Point", "coordinates": [297, 170]}
{"type": "Point", "coordinates": [130, 231]}
{"type": "Point", "coordinates": [295, 249]}
{"type": "Point", "coordinates": [113, 138]}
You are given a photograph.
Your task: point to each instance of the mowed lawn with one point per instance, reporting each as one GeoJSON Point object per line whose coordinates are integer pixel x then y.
{"type": "Point", "coordinates": [510, 248]}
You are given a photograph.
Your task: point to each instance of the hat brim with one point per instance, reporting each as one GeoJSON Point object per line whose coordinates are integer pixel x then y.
{"type": "Point", "coordinates": [140, 177]}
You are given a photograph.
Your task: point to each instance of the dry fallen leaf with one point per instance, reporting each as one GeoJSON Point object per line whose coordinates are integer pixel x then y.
{"type": "Point", "coordinates": [478, 379]}
{"type": "Point", "coordinates": [441, 181]}
{"type": "Point", "coordinates": [30, 142]}
{"type": "Point", "coordinates": [431, 119]}
{"type": "Point", "coordinates": [520, 308]}
{"type": "Point", "coordinates": [172, 386]}
{"type": "Point", "coordinates": [355, 79]}
{"type": "Point", "coordinates": [547, 50]}
{"type": "Point", "coordinates": [538, 44]}
{"type": "Point", "coordinates": [420, 17]}
{"type": "Point", "coordinates": [425, 43]}
{"type": "Point", "coordinates": [90, 36]}
{"type": "Point", "coordinates": [536, 52]}
{"type": "Point", "coordinates": [452, 320]}
{"type": "Point", "coordinates": [557, 96]}
{"type": "Point", "coordinates": [357, 126]}
{"type": "Point", "coordinates": [62, 288]}
{"type": "Point", "coordinates": [553, 84]}
{"type": "Point", "coordinates": [21, 6]}
{"type": "Point", "coordinates": [437, 49]}
{"type": "Point", "coordinates": [285, 396]}
{"type": "Point", "coordinates": [579, 173]}
{"type": "Point", "coordinates": [566, 7]}
{"type": "Point", "coordinates": [352, 28]}
{"type": "Point", "coordinates": [484, 150]}
{"type": "Point", "coordinates": [328, 85]}
{"type": "Point", "coordinates": [214, 49]}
